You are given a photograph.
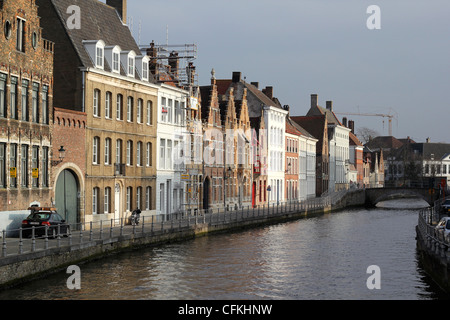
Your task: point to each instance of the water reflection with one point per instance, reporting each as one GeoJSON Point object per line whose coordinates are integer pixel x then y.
{"type": "Point", "coordinates": [324, 257]}
{"type": "Point", "coordinates": [404, 203]}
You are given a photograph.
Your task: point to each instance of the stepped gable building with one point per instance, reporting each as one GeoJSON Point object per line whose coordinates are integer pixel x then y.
{"type": "Point", "coordinates": [213, 196]}
{"type": "Point", "coordinates": [237, 145]}
{"type": "Point", "coordinates": [26, 102]}
{"type": "Point", "coordinates": [259, 154]}
{"type": "Point", "coordinates": [275, 120]}
{"type": "Point", "coordinates": [100, 71]}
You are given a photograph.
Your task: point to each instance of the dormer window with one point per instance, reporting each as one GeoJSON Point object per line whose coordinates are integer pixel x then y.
{"type": "Point", "coordinates": [100, 57]}
{"type": "Point", "coordinates": [142, 63]}
{"type": "Point", "coordinates": [128, 62]}
{"type": "Point", "coordinates": [96, 50]}
{"type": "Point", "coordinates": [112, 56]}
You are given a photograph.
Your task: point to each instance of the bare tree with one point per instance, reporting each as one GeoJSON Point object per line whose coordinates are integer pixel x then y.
{"type": "Point", "coordinates": [366, 134]}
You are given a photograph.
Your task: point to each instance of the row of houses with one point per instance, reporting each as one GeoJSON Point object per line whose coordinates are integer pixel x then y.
{"type": "Point", "coordinates": [97, 126]}
{"type": "Point", "coordinates": [411, 163]}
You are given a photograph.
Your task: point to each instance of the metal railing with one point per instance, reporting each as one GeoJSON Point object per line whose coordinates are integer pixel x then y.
{"type": "Point", "coordinates": [79, 234]}
{"type": "Point", "coordinates": [434, 239]}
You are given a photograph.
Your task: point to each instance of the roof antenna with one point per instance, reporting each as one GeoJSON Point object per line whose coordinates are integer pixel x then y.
{"type": "Point", "coordinates": [167, 35]}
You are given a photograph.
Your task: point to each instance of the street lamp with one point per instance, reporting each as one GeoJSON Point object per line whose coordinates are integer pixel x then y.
{"type": "Point", "coordinates": [62, 155]}
{"type": "Point", "coordinates": [226, 175]}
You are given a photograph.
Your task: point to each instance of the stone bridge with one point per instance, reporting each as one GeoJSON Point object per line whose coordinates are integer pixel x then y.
{"type": "Point", "coordinates": [375, 195]}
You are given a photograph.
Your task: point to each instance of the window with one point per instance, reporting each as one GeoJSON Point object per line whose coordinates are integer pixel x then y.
{"type": "Point", "coordinates": [148, 198]}
{"type": "Point", "coordinates": [115, 63]}
{"type": "Point", "coordinates": [169, 155]}
{"type": "Point", "coordinates": [145, 70]}
{"type": "Point", "coordinates": [162, 157]}
{"type": "Point", "coordinates": [178, 113]}
{"type": "Point", "coordinates": [129, 198]}
{"type": "Point", "coordinates": [95, 204]}
{"type": "Point", "coordinates": [20, 41]}
{"type": "Point", "coordinates": [35, 103]}
{"type": "Point", "coordinates": [119, 107]}
{"type": "Point", "coordinates": [130, 109]}
{"type": "Point", "coordinates": [169, 110]}
{"type": "Point", "coordinates": [3, 95]}
{"type": "Point", "coordinates": [131, 66]}
{"type": "Point", "coordinates": [107, 151]}
{"type": "Point", "coordinates": [35, 166]}
{"type": "Point", "coordinates": [108, 99]}
{"type": "Point", "coordinates": [95, 149]}
{"type": "Point", "coordinates": [139, 110]}
{"type": "Point", "coordinates": [2, 165]}
{"type": "Point", "coordinates": [44, 170]}
{"type": "Point", "coordinates": [24, 100]}
{"type": "Point", "coordinates": [139, 154]}
{"type": "Point", "coordinates": [13, 98]}
{"type": "Point", "coordinates": [96, 103]}
{"type": "Point", "coordinates": [45, 114]}
{"type": "Point", "coordinates": [129, 152]}
{"type": "Point", "coordinates": [163, 109]}
{"type": "Point", "coordinates": [99, 56]}
{"type": "Point", "coordinates": [24, 166]}
{"type": "Point", "coordinates": [138, 197]}
{"type": "Point", "coordinates": [13, 164]}
{"type": "Point", "coordinates": [107, 200]}
{"type": "Point", "coordinates": [119, 151]}
{"type": "Point", "coordinates": [149, 112]}
{"type": "Point", "coordinates": [148, 162]}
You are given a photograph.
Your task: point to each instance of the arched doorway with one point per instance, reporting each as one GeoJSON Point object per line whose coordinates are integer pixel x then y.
{"type": "Point", "coordinates": [66, 196]}
{"type": "Point", "coordinates": [206, 190]}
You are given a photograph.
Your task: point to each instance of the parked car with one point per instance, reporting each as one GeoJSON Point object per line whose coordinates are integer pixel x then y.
{"type": "Point", "coordinates": [41, 218]}
{"type": "Point", "coordinates": [443, 227]}
{"type": "Point", "coordinates": [445, 206]}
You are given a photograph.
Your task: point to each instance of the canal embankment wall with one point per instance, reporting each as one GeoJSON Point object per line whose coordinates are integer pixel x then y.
{"type": "Point", "coordinates": [433, 248]}
{"type": "Point", "coordinates": [19, 264]}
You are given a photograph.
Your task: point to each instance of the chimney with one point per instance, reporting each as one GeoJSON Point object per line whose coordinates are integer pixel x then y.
{"type": "Point", "coordinates": [268, 91]}
{"type": "Point", "coordinates": [236, 77]}
{"type": "Point", "coordinates": [330, 105]}
{"type": "Point", "coordinates": [190, 70]}
{"type": "Point", "coordinates": [256, 84]}
{"type": "Point", "coordinates": [351, 126]}
{"type": "Point", "coordinates": [174, 64]}
{"type": "Point", "coordinates": [314, 100]}
{"type": "Point", "coordinates": [344, 122]}
{"type": "Point", "coordinates": [121, 8]}
{"type": "Point", "coordinates": [287, 108]}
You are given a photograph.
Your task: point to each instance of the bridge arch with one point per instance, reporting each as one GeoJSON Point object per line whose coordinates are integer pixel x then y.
{"type": "Point", "coordinates": [376, 195]}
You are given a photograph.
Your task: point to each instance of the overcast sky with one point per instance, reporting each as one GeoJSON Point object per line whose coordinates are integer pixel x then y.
{"type": "Point", "coordinates": [324, 47]}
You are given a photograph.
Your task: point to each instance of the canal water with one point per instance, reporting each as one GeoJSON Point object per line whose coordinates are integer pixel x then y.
{"type": "Point", "coordinates": [320, 258]}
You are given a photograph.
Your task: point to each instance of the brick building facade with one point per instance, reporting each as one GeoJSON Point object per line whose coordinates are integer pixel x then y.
{"type": "Point", "coordinates": [26, 99]}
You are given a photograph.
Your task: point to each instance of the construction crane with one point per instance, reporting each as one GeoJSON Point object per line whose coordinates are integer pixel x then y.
{"type": "Point", "coordinates": [389, 116]}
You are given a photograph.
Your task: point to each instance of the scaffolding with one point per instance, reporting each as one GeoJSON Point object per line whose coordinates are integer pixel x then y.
{"type": "Point", "coordinates": [176, 61]}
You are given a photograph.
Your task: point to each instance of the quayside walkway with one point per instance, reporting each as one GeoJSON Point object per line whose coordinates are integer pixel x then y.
{"type": "Point", "coordinates": [24, 258]}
